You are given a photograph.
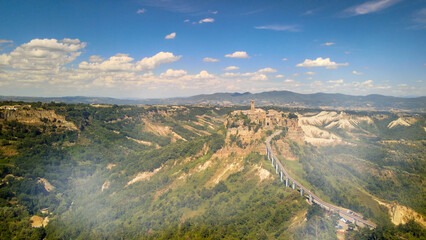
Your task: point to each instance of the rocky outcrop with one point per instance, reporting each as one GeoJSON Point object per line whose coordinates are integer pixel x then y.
{"type": "Point", "coordinates": [34, 116]}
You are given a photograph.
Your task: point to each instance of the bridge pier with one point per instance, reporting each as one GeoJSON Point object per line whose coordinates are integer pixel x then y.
{"type": "Point", "coordinates": [286, 182]}
{"type": "Point", "coordinates": [301, 192]}
{"type": "Point", "coordinates": [294, 186]}
{"type": "Point", "coordinates": [276, 168]}
{"type": "Point", "coordinates": [310, 198]}
{"type": "Point", "coordinates": [281, 176]}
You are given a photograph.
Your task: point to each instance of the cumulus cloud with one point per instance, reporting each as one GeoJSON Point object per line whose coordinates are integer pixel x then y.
{"type": "Point", "coordinates": [204, 75]}
{"type": "Point", "coordinates": [267, 70]}
{"type": "Point", "coordinates": [316, 84]}
{"type": "Point", "coordinates": [260, 74]}
{"type": "Point", "coordinates": [170, 36]}
{"type": "Point", "coordinates": [321, 62]}
{"type": "Point", "coordinates": [339, 81]}
{"type": "Point", "coordinates": [357, 73]}
{"type": "Point", "coordinates": [369, 7]}
{"type": "Point", "coordinates": [279, 76]}
{"type": "Point", "coordinates": [141, 11]}
{"type": "Point", "coordinates": [288, 28]}
{"type": "Point", "coordinates": [289, 81]}
{"type": "Point", "coordinates": [207, 59]}
{"type": "Point", "coordinates": [206, 20]}
{"type": "Point", "coordinates": [365, 84]}
{"type": "Point", "coordinates": [95, 58]}
{"type": "Point", "coordinates": [231, 68]}
{"type": "Point", "coordinates": [328, 43]}
{"type": "Point", "coordinates": [43, 54]}
{"type": "Point", "coordinates": [238, 54]}
{"type": "Point", "coordinates": [259, 77]}
{"type": "Point", "coordinates": [284, 59]}
{"type": "Point", "coordinates": [170, 73]}
{"type": "Point", "coordinates": [310, 73]}
{"type": "Point", "coordinates": [122, 62]}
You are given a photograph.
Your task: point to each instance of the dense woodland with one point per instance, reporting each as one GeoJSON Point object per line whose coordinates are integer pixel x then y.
{"type": "Point", "coordinates": [105, 148]}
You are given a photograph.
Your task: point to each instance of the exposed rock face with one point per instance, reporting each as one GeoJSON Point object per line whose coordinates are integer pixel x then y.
{"type": "Point", "coordinates": [27, 115]}
{"type": "Point", "coordinates": [49, 187]}
{"type": "Point", "coordinates": [406, 122]}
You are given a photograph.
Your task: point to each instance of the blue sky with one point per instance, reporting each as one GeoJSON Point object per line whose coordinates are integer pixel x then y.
{"type": "Point", "coordinates": [168, 48]}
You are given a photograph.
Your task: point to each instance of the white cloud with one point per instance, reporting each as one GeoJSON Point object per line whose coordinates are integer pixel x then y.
{"type": "Point", "coordinates": [340, 81]}
{"type": "Point", "coordinates": [43, 54]}
{"type": "Point", "coordinates": [308, 12]}
{"type": "Point", "coordinates": [328, 43]}
{"type": "Point", "coordinates": [170, 36]}
{"type": "Point", "coordinates": [316, 84]}
{"type": "Point", "coordinates": [419, 19]}
{"type": "Point", "coordinates": [279, 76]}
{"type": "Point", "coordinates": [357, 73]}
{"type": "Point", "coordinates": [267, 70]}
{"type": "Point", "coordinates": [122, 62]}
{"type": "Point", "coordinates": [214, 12]}
{"type": "Point", "coordinates": [289, 81]}
{"type": "Point", "coordinates": [170, 73]}
{"type": "Point", "coordinates": [259, 77]}
{"type": "Point", "coordinates": [295, 75]}
{"type": "Point", "coordinates": [260, 74]}
{"type": "Point", "coordinates": [186, 20]}
{"type": "Point", "coordinates": [321, 62]}
{"type": "Point", "coordinates": [206, 20]}
{"type": "Point", "coordinates": [231, 68]}
{"type": "Point", "coordinates": [204, 75]}
{"type": "Point", "coordinates": [141, 11]}
{"type": "Point", "coordinates": [95, 58]}
{"type": "Point", "coordinates": [207, 59]}
{"type": "Point", "coordinates": [284, 59]}
{"type": "Point", "coordinates": [3, 41]}
{"type": "Point", "coordinates": [289, 28]}
{"type": "Point", "coordinates": [238, 54]}
{"type": "Point", "coordinates": [369, 7]}
{"type": "Point", "coordinates": [365, 84]}
{"type": "Point", "coordinates": [310, 73]}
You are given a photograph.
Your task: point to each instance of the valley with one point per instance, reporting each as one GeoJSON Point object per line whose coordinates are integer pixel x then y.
{"type": "Point", "coordinates": [202, 172]}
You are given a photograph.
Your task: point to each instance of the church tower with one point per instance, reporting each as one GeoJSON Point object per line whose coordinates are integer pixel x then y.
{"type": "Point", "coordinates": [252, 106]}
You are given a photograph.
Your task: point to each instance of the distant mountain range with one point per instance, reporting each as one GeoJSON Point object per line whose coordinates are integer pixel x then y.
{"type": "Point", "coordinates": [273, 98]}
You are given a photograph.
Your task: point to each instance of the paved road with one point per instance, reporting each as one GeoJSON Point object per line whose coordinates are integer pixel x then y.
{"type": "Point", "coordinates": [342, 211]}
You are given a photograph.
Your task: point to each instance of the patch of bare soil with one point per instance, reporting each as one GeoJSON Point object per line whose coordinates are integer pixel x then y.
{"type": "Point", "coordinates": [36, 221]}
{"type": "Point", "coordinates": [161, 130]}
{"type": "Point", "coordinates": [8, 150]}
{"type": "Point", "coordinates": [402, 122]}
{"type": "Point", "coordinates": [142, 176]}
{"type": "Point", "coordinates": [140, 141]}
{"type": "Point", "coordinates": [49, 187]}
{"type": "Point", "coordinates": [401, 214]}
{"type": "Point", "coordinates": [111, 165]}
{"type": "Point", "coordinates": [262, 173]}
{"type": "Point", "coordinates": [106, 185]}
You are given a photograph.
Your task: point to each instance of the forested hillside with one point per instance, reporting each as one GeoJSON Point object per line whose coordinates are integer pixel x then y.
{"type": "Point", "coordinates": [79, 171]}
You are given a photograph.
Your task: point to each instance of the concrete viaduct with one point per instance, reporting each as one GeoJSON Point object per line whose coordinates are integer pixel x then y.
{"type": "Point", "coordinates": [287, 179]}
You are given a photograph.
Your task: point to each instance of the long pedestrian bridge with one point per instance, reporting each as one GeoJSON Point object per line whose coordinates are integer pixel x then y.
{"type": "Point", "coordinates": [285, 177]}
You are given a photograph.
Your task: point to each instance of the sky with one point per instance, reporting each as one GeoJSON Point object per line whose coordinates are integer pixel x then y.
{"type": "Point", "coordinates": [175, 48]}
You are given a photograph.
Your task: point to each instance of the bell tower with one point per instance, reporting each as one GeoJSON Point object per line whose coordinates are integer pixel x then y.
{"type": "Point", "coordinates": [252, 106]}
